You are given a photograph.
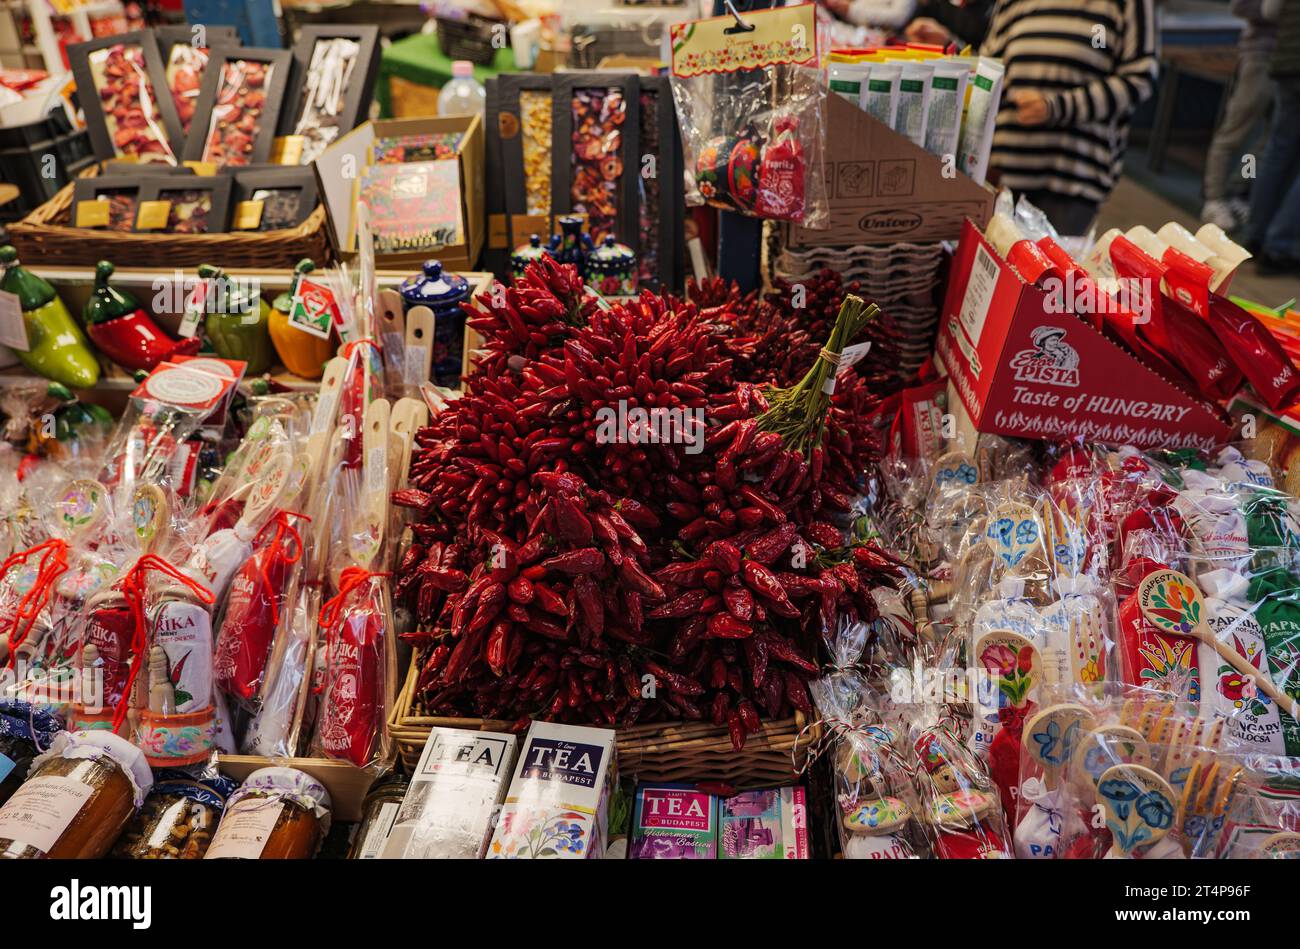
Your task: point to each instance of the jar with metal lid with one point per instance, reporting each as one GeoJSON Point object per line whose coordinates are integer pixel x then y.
{"type": "Point", "coordinates": [383, 801]}
{"type": "Point", "coordinates": [611, 269]}
{"type": "Point", "coordinates": [443, 292]}
{"type": "Point", "coordinates": [178, 818]}
{"type": "Point", "coordinates": [25, 731]}
{"type": "Point", "coordinates": [277, 814]}
{"type": "Point", "coordinates": [78, 798]}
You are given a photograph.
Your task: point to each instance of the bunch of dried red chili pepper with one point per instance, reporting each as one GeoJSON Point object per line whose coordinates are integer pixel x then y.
{"type": "Point", "coordinates": [605, 533]}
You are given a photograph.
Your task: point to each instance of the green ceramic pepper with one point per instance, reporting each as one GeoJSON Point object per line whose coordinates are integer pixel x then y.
{"type": "Point", "coordinates": [56, 347]}
{"type": "Point", "coordinates": [237, 325]}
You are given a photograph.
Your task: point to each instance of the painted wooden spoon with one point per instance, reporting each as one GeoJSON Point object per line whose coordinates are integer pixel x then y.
{"type": "Point", "coordinates": [1172, 602]}
{"type": "Point", "coordinates": [1139, 806]}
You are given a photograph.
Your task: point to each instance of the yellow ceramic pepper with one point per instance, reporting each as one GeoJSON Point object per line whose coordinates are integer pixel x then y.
{"type": "Point", "coordinates": [55, 347]}
{"type": "Point", "coordinates": [304, 354]}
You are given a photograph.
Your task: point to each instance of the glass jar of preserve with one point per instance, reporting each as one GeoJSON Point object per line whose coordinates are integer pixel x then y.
{"type": "Point", "coordinates": [277, 814]}
{"type": "Point", "coordinates": [178, 819]}
{"type": "Point", "coordinates": [25, 731]}
{"type": "Point", "coordinates": [383, 801]}
{"type": "Point", "coordinates": [78, 797]}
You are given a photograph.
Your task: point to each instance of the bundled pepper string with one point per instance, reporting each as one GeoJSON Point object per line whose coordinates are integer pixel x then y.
{"type": "Point", "coordinates": [283, 530]}
{"type": "Point", "coordinates": [53, 564]}
{"type": "Point", "coordinates": [135, 588]}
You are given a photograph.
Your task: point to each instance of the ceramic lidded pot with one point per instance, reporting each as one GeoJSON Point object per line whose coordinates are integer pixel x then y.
{"type": "Point", "coordinates": [443, 292]}
{"type": "Point", "coordinates": [525, 254]}
{"type": "Point", "coordinates": [612, 269]}
{"type": "Point", "coordinates": [571, 245]}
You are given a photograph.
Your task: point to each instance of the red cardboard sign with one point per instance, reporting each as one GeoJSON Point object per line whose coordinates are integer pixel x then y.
{"type": "Point", "coordinates": [1027, 368]}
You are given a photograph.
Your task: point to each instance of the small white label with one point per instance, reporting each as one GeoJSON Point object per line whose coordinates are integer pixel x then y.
{"type": "Point", "coordinates": [41, 810]}
{"type": "Point", "coordinates": [415, 371]}
{"type": "Point", "coordinates": [245, 829]}
{"type": "Point", "coordinates": [852, 356]}
{"type": "Point", "coordinates": [373, 845]}
{"type": "Point", "coordinates": [193, 311]}
{"type": "Point", "coordinates": [979, 294]}
{"type": "Point", "coordinates": [326, 405]}
{"type": "Point", "coordinates": [13, 331]}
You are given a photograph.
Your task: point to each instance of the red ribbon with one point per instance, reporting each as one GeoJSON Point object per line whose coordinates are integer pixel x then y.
{"type": "Point", "coordinates": [282, 529]}
{"type": "Point", "coordinates": [134, 588]}
{"type": "Point", "coordinates": [54, 563]}
{"type": "Point", "coordinates": [331, 612]}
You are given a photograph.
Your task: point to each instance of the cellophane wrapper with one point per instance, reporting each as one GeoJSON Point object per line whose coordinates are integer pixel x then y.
{"type": "Point", "coordinates": [753, 142]}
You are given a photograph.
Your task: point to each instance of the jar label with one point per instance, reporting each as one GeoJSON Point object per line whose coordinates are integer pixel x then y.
{"type": "Point", "coordinates": [245, 829]}
{"type": "Point", "coordinates": [41, 810]}
{"type": "Point", "coordinates": [377, 832]}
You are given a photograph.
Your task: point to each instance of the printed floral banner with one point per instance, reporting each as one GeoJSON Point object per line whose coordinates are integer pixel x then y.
{"type": "Point", "coordinates": [785, 35]}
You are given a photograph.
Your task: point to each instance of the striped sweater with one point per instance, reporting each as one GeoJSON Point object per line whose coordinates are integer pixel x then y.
{"type": "Point", "coordinates": [1095, 62]}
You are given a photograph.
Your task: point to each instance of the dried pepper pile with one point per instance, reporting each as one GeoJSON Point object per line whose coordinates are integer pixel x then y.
{"type": "Point", "coordinates": [568, 565]}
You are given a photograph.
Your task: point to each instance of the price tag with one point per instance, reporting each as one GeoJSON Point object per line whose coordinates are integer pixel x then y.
{"type": "Point", "coordinates": [204, 169]}
{"type": "Point", "coordinates": [248, 215]}
{"type": "Point", "coordinates": [287, 150]}
{"type": "Point", "coordinates": [152, 215]}
{"type": "Point", "coordinates": [92, 214]}
{"type": "Point", "coordinates": [193, 311]}
{"type": "Point", "coordinates": [851, 356]}
{"type": "Point", "coordinates": [13, 331]}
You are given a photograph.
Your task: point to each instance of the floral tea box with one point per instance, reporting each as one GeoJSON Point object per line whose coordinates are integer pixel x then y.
{"type": "Point", "coordinates": [454, 797]}
{"type": "Point", "coordinates": [558, 803]}
{"type": "Point", "coordinates": [771, 824]}
{"type": "Point", "coordinates": [674, 822]}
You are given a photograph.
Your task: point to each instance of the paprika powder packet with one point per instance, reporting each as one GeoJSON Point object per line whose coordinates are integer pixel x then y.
{"type": "Point", "coordinates": [1256, 351]}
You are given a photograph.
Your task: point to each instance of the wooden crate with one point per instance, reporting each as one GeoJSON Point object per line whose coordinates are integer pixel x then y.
{"type": "Point", "coordinates": [661, 751]}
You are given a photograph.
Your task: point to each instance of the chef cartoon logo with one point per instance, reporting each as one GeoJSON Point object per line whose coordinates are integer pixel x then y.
{"type": "Point", "coordinates": [1052, 361]}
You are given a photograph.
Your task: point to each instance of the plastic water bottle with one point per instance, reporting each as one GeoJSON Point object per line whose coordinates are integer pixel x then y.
{"type": "Point", "coordinates": [463, 95]}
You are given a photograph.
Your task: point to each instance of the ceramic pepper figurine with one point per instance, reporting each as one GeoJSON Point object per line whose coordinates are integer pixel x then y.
{"type": "Point", "coordinates": [237, 324]}
{"type": "Point", "coordinates": [304, 354]}
{"type": "Point", "coordinates": [124, 332]}
{"type": "Point", "coordinates": [56, 347]}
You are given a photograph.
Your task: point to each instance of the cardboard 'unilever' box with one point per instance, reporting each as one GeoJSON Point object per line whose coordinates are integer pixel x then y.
{"type": "Point", "coordinates": [558, 803]}
{"type": "Point", "coordinates": [454, 796]}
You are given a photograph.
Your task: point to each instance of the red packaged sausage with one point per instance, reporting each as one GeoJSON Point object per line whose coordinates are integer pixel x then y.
{"type": "Point", "coordinates": [355, 624]}
{"type": "Point", "coordinates": [1256, 351]}
{"type": "Point", "coordinates": [257, 593]}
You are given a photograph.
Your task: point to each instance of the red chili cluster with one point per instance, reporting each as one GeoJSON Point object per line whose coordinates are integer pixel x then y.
{"type": "Point", "coordinates": [773, 339]}
{"type": "Point", "coordinates": [605, 532]}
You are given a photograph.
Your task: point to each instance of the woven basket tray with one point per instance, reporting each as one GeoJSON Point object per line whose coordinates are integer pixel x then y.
{"type": "Point", "coordinates": [45, 238]}
{"type": "Point", "coordinates": [664, 751]}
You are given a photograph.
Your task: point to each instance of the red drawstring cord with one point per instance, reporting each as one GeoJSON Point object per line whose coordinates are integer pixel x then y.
{"type": "Point", "coordinates": [134, 589]}
{"type": "Point", "coordinates": [282, 529]}
{"type": "Point", "coordinates": [331, 611]}
{"type": "Point", "coordinates": [54, 563]}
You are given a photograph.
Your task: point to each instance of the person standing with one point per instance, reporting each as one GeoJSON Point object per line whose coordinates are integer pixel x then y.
{"type": "Point", "coordinates": [1075, 74]}
{"type": "Point", "coordinates": [1247, 104]}
{"type": "Point", "coordinates": [946, 21]}
{"type": "Point", "coordinates": [1275, 200]}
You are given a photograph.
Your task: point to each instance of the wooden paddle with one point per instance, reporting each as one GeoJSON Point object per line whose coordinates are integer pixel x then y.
{"type": "Point", "coordinates": [1106, 746]}
{"type": "Point", "coordinates": [1014, 534]}
{"type": "Point", "coordinates": [1139, 805]}
{"type": "Point", "coordinates": [1172, 602]}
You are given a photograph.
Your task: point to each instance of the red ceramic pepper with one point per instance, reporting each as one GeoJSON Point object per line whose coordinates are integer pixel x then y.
{"type": "Point", "coordinates": [124, 332]}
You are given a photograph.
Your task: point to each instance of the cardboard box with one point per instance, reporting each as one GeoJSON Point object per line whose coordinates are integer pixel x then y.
{"type": "Point", "coordinates": [454, 796]}
{"type": "Point", "coordinates": [558, 803]}
{"type": "Point", "coordinates": [1025, 368]}
{"type": "Point", "coordinates": [339, 168]}
{"type": "Point", "coordinates": [883, 189]}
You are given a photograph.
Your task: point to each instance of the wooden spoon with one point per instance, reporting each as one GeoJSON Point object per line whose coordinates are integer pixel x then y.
{"type": "Point", "coordinates": [1053, 736]}
{"type": "Point", "coordinates": [1139, 805]}
{"type": "Point", "coordinates": [1172, 602]}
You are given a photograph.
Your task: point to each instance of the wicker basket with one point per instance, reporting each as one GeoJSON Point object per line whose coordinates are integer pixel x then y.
{"type": "Point", "coordinates": [44, 237]}
{"type": "Point", "coordinates": [665, 751]}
